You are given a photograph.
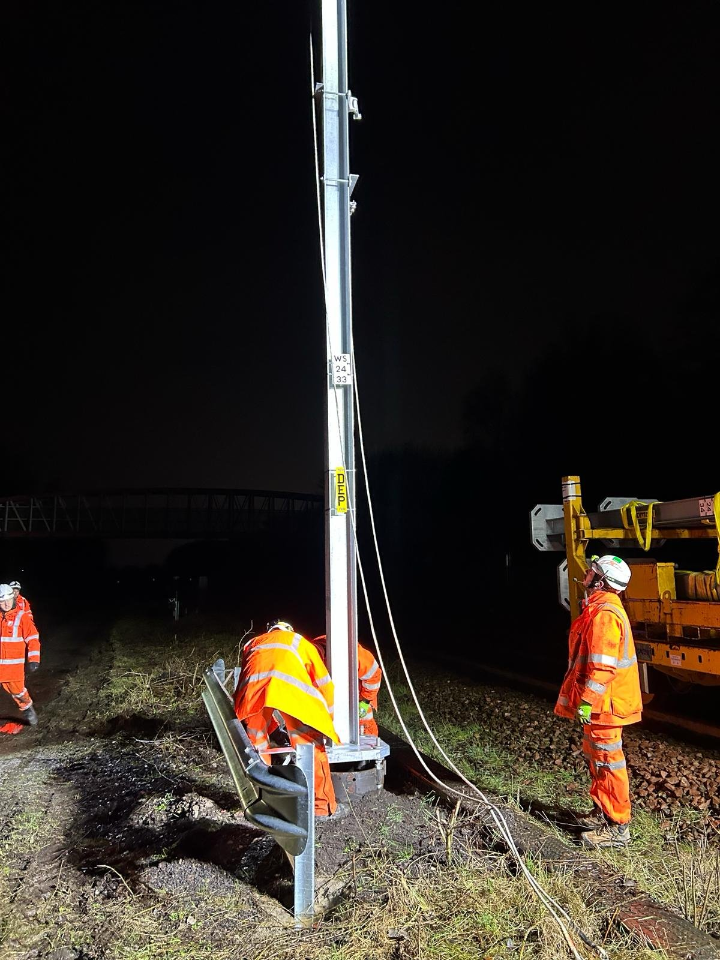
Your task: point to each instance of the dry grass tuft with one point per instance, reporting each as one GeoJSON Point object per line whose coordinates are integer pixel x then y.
{"type": "Point", "coordinates": [678, 864]}
{"type": "Point", "coordinates": [157, 672]}
{"type": "Point", "coordinates": [477, 908]}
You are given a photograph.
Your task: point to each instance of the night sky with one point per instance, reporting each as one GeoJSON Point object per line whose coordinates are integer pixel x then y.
{"type": "Point", "coordinates": [537, 219]}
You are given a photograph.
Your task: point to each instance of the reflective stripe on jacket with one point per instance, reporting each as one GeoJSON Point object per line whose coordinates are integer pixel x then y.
{"type": "Point", "coordinates": [369, 672]}
{"type": "Point", "coordinates": [284, 671]}
{"type": "Point", "coordinates": [19, 641]}
{"type": "Point", "coordinates": [369, 676]}
{"type": "Point", "coordinates": [22, 603]}
{"type": "Point", "coordinates": [602, 667]}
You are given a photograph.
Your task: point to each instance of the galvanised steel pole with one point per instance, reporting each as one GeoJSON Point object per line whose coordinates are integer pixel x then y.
{"type": "Point", "coordinates": [340, 570]}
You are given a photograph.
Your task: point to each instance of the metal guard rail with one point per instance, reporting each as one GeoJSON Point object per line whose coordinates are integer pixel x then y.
{"type": "Point", "coordinates": [274, 799]}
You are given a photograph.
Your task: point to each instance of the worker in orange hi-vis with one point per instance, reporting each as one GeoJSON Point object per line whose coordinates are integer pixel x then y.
{"type": "Point", "coordinates": [21, 602]}
{"type": "Point", "coordinates": [369, 680]}
{"type": "Point", "coordinates": [19, 642]}
{"type": "Point", "coordinates": [284, 685]}
{"type": "Point", "coordinates": [601, 689]}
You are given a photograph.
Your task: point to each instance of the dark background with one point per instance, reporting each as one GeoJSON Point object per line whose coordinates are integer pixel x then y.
{"type": "Point", "coordinates": [535, 261]}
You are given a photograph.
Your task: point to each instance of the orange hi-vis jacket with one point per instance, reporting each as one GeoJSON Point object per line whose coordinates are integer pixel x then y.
{"type": "Point", "coordinates": [369, 675]}
{"type": "Point", "coordinates": [602, 668]}
{"type": "Point", "coordinates": [369, 672]}
{"type": "Point", "coordinates": [284, 671]}
{"type": "Point", "coordinates": [22, 603]}
{"type": "Point", "coordinates": [19, 641]}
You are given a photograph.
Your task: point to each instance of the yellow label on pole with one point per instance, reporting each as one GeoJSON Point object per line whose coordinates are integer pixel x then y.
{"type": "Point", "coordinates": [341, 493]}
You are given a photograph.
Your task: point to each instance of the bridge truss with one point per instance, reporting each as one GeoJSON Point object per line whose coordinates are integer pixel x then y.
{"type": "Point", "coordinates": [166, 514]}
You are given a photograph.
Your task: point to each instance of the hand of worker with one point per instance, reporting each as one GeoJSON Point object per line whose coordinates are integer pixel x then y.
{"type": "Point", "coordinates": [364, 709]}
{"type": "Point", "coordinates": [32, 667]}
{"type": "Point", "coordinates": [583, 712]}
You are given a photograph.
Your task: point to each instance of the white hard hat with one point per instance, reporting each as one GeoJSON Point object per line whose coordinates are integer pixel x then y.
{"type": "Point", "coordinates": [6, 592]}
{"type": "Point", "coordinates": [614, 571]}
{"type": "Point", "coordinates": [15, 584]}
{"type": "Point", "coordinates": [280, 625]}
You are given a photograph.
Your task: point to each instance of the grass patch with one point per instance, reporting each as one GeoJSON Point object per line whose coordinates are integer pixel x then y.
{"type": "Point", "coordinates": [476, 908]}
{"type": "Point", "coordinates": [675, 872]}
{"type": "Point", "coordinates": [472, 745]}
{"type": "Point", "coordinates": [661, 860]}
{"type": "Point", "coordinates": [157, 670]}
{"type": "Point", "coordinates": [26, 830]}
{"type": "Point", "coordinates": [129, 927]}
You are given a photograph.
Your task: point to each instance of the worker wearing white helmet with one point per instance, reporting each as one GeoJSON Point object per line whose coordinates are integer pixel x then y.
{"type": "Point", "coordinates": [285, 684]}
{"type": "Point", "coordinates": [22, 602]}
{"type": "Point", "coordinates": [19, 643]}
{"type": "Point", "coordinates": [601, 689]}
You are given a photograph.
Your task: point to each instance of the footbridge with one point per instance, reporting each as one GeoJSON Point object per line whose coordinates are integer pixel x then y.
{"type": "Point", "coordinates": [162, 514]}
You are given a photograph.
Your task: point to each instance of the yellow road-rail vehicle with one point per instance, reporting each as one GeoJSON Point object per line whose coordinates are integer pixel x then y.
{"type": "Point", "coordinates": [675, 614]}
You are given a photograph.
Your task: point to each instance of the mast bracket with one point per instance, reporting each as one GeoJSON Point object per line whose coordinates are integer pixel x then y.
{"type": "Point", "coordinates": [352, 102]}
{"type": "Point", "coordinates": [353, 107]}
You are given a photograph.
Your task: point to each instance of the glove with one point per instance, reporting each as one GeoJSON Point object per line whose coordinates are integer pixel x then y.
{"type": "Point", "coordinates": [583, 712]}
{"type": "Point", "coordinates": [363, 709]}
{"type": "Point", "coordinates": [32, 667]}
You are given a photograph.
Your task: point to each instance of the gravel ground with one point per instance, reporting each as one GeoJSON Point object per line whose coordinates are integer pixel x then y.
{"type": "Point", "coordinates": [667, 776]}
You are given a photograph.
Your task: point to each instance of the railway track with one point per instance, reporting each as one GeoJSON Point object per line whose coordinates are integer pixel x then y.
{"type": "Point", "coordinates": [674, 762]}
{"type": "Point", "coordinates": [659, 719]}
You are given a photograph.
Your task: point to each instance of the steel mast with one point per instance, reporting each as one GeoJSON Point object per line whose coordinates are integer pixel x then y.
{"type": "Point", "coordinates": [336, 186]}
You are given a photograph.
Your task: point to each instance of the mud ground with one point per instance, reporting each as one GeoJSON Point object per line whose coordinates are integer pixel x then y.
{"type": "Point", "coordinates": [119, 837]}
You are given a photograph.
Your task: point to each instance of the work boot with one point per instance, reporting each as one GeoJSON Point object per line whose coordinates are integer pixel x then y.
{"type": "Point", "coordinates": [609, 835]}
{"type": "Point", "coordinates": [592, 820]}
{"type": "Point", "coordinates": [341, 811]}
{"type": "Point", "coordinates": [29, 716]}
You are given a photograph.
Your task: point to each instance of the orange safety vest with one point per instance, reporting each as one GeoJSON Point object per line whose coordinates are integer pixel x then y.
{"type": "Point", "coordinates": [284, 671]}
{"type": "Point", "coordinates": [602, 667]}
{"type": "Point", "coordinates": [19, 641]}
{"type": "Point", "coordinates": [369, 672]}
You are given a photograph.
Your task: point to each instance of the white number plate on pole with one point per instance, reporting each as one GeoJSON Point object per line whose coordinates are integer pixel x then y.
{"type": "Point", "coordinates": [341, 369]}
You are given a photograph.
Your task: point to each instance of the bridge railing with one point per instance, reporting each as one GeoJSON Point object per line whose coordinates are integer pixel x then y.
{"type": "Point", "coordinates": [152, 513]}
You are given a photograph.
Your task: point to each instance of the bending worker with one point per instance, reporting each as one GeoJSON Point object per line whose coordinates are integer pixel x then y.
{"type": "Point", "coordinates": [369, 680]}
{"type": "Point", "coordinates": [601, 689]}
{"type": "Point", "coordinates": [284, 682]}
{"type": "Point", "coordinates": [19, 640]}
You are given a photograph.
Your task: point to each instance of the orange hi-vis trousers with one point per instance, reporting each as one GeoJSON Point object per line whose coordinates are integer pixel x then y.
{"type": "Point", "coordinates": [259, 726]}
{"type": "Point", "coordinates": [610, 788]}
{"type": "Point", "coordinates": [18, 691]}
